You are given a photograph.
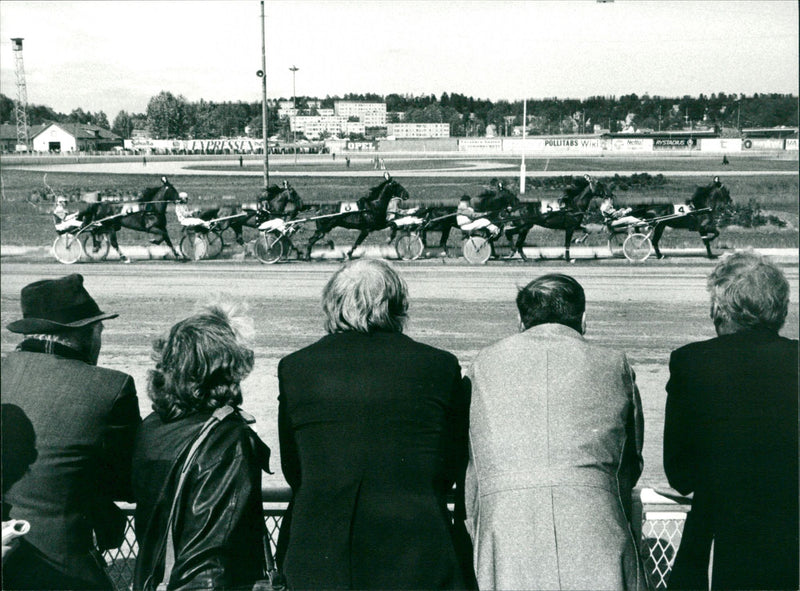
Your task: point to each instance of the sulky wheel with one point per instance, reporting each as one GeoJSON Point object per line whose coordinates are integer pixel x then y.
{"type": "Point", "coordinates": [194, 246]}
{"type": "Point", "coordinates": [215, 244]}
{"type": "Point", "coordinates": [615, 242]}
{"type": "Point", "coordinates": [269, 247]}
{"type": "Point", "coordinates": [409, 246]}
{"type": "Point", "coordinates": [95, 246]}
{"type": "Point", "coordinates": [637, 247]}
{"type": "Point", "coordinates": [477, 250]}
{"type": "Point", "coordinates": [67, 249]}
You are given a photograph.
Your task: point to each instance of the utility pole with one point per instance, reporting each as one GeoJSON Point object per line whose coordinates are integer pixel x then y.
{"type": "Point", "coordinates": [21, 104]}
{"type": "Point", "coordinates": [263, 74]}
{"type": "Point", "coordinates": [293, 70]}
{"type": "Point", "coordinates": [522, 164]}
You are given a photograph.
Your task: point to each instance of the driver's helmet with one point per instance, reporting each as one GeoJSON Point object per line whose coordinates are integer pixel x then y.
{"type": "Point", "coordinates": [717, 182]}
{"type": "Point", "coordinates": [183, 197]}
{"type": "Point", "coordinates": [387, 176]}
{"type": "Point", "coordinates": [61, 199]}
{"type": "Point", "coordinates": [285, 184]}
{"type": "Point", "coordinates": [588, 178]}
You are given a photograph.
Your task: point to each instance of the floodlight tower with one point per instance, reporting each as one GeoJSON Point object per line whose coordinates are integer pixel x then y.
{"type": "Point", "coordinates": [21, 104]}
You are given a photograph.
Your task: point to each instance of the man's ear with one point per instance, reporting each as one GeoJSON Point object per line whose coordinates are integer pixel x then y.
{"type": "Point", "coordinates": [520, 324]}
{"type": "Point", "coordinates": [583, 323]}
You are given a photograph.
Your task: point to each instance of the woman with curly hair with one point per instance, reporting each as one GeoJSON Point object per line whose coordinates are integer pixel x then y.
{"type": "Point", "coordinates": [218, 526]}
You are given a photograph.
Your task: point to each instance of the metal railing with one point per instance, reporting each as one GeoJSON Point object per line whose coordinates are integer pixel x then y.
{"type": "Point", "coordinates": [661, 520]}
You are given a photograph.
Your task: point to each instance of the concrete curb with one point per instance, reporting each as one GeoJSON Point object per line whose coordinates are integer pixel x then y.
{"type": "Point", "coordinates": [160, 252]}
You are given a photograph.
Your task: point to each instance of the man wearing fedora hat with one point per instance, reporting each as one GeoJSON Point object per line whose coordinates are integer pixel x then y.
{"type": "Point", "coordinates": [84, 420]}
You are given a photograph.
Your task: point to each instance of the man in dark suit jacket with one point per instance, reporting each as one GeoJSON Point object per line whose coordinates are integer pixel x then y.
{"type": "Point", "coordinates": [84, 420]}
{"type": "Point", "coordinates": [731, 436]}
{"type": "Point", "coordinates": [373, 434]}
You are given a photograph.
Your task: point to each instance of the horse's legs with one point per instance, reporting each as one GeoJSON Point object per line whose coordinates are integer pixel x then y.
{"type": "Point", "coordinates": [112, 240]}
{"type": "Point", "coordinates": [711, 234]}
{"type": "Point", "coordinates": [568, 231]}
{"type": "Point", "coordinates": [238, 231]}
{"type": "Point", "coordinates": [392, 233]}
{"type": "Point", "coordinates": [445, 237]}
{"type": "Point", "coordinates": [657, 232]}
{"type": "Point", "coordinates": [318, 233]}
{"type": "Point", "coordinates": [361, 237]}
{"type": "Point", "coordinates": [522, 236]}
{"type": "Point", "coordinates": [163, 232]}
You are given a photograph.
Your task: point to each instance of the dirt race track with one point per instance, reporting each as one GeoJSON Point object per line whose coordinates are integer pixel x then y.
{"type": "Point", "coordinates": [645, 310]}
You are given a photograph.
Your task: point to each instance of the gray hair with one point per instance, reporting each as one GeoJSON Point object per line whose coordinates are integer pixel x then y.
{"type": "Point", "coordinates": [750, 291]}
{"type": "Point", "coordinates": [365, 295]}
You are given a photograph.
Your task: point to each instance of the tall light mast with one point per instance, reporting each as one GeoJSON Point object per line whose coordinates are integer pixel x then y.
{"type": "Point", "coordinates": [21, 104]}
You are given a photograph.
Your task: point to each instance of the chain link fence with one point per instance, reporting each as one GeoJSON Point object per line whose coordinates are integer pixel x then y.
{"type": "Point", "coordinates": [661, 518]}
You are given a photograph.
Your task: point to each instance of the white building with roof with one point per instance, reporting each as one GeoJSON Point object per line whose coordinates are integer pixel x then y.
{"type": "Point", "coordinates": [418, 130]}
{"type": "Point", "coordinates": [370, 114]}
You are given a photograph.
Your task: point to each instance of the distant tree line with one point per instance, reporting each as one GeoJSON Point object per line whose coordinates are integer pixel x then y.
{"type": "Point", "coordinates": [173, 117]}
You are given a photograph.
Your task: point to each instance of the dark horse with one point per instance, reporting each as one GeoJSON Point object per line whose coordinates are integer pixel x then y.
{"type": "Point", "coordinates": [370, 217]}
{"type": "Point", "coordinates": [706, 201]}
{"type": "Point", "coordinates": [567, 217]}
{"type": "Point", "coordinates": [146, 214]}
{"type": "Point", "coordinates": [277, 201]}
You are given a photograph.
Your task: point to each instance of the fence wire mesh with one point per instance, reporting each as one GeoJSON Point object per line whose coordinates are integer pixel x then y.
{"type": "Point", "coordinates": [660, 540]}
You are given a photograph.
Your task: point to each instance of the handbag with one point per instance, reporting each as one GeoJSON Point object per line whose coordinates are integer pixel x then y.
{"type": "Point", "coordinates": [275, 580]}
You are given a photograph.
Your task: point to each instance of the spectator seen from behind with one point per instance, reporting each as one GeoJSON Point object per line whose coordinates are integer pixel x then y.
{"type": "Point", "coordinates": [82, 421]}
{"type": "Point", "coordinates": [556, 432]}
{"type": "Point", "coordinates": [219, 526]}
{"type": "Point", "coordinates": [373, 434]}
{"type": "Point", "coordinates": [730, 436]}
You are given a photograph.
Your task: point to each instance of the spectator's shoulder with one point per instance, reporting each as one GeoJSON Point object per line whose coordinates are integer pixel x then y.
{"type": "Point", "coordinates": [113, 375]}
{"type": "Point", "coordinates": [500, 348]}
{"type": "Point", "coordinates": [695, 348]}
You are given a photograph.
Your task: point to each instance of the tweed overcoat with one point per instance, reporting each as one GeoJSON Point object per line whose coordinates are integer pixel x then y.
{"type": "Point", "coordinates": [84, 420]}
{"type": "Point", "coordinates": [373, 436]}
{"type": "Point", "coordinates": [556, 434]}
{"type": "Point", "coordinates": [730, 436]}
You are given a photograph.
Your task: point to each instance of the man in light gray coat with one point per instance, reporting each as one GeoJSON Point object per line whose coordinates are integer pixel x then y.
{"type": "Point", "coordinates": [556, 434]}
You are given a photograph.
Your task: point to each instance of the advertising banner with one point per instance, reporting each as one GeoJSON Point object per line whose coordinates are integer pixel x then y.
{"type": "Point", "coordinates": [555, 145]}
{"type": "Point", "coordinates": [479, 144]}
{"type": "Point", "coordinates": [762, 144]}
{"type": "Point", "coordinates": [674, 143]}
{"type": "Point", "coordinates": [562, 145]}
{"type": "Point", "coordinates": [713, 144]}
{"type": "Point", "coordinates": [361, 146]}
{"type": "Point", "coordinates": [243, 145]}
{"type": "Point", "coordinates": [791, 144]}
{"type": "Point", "coordinates": [629, 144]}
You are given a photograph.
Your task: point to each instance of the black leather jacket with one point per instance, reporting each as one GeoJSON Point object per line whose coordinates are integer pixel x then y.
{"type": "Point", "coordinates": [219, 524]}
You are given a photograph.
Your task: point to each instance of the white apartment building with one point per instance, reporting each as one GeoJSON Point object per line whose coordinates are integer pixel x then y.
{"type": "Point", "coordinates": [370, 114]}
{"type": "Point", "coordinates": [418, 130]}
{"type": "Point", "coordinates": [314, 126]}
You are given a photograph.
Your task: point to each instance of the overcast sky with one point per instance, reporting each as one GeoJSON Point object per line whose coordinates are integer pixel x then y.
{"type": "Point", "coordinates": [104, 55]}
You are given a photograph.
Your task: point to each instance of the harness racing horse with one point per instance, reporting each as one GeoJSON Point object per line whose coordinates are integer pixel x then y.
{"type": "Point", "coordinates": [146, 214]}
{"type": "Point", "coordinates": [278, 201]}
{"type": "Point", "coordinates": [711, 198]}
{"type": "Point", "coordinates": [567, 217]}
{"type": "Point", "coordinates": [370, 217]}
